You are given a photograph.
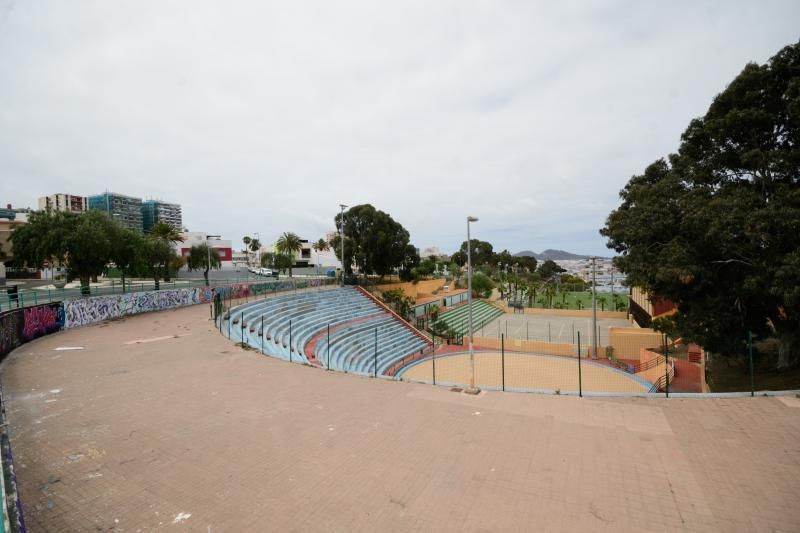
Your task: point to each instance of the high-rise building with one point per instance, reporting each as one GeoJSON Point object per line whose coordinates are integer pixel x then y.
{"type": "Point", "coordinates": [155, 211]}
{"type": "Point", "coordinates": [125, 209]}
{"type": "Point", "coordinates": [63, 202]}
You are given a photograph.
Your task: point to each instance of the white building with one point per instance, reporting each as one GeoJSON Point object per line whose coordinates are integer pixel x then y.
{"type": "Point", "coordinates": [63, 202]}
{"type": "Point", "coordinates": [196, 238]}
{"type": "Point", "coordinates": [307, 257]}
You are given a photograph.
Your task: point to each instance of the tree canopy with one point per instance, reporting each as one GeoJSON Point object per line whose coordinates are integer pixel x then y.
{"type": "Point", "coordinates": [482, 285]}
{"type": "Point", "coordinates": [81, 241]}
{"type": "Point", "coordinates": [374, 241]}
{"type": "Point", "coordinates": [714, 227]}
{"type": "Point", "coordinates": [482, 253]}
{"type": "Point", "coordinates": [548, 269]}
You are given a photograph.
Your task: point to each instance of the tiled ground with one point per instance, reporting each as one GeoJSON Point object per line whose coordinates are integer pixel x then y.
{"type": "Point", "coordinates": [184, 431]}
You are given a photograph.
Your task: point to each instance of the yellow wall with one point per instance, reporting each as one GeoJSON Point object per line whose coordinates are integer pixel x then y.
{"type": "Point", "coordinates": [421, 289]}
{"type": "Point", "coordinates": [628, 342]}
{"type": "Point", "coordinates": [551, 348]}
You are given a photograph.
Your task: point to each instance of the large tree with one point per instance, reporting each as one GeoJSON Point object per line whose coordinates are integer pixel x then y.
{"type": "Point", "coordinates": [81, 241]}
{"type": "Point", "coordinates": [409, 265]}
{"type": "Point", "coordinates": [374, 241]}
{"type": "Point", "coordinates": [481, 253]}
{"type": "Point", "coordinates": [202, 258]}
{"type": "Point", "coordinates": [549, 268]}
{"type": "Point", "coordinates": [157, 253]}
{"type": "Point", "coordinates": [127, 251]}
{"type": "Point", "coordinates": [714, 228]}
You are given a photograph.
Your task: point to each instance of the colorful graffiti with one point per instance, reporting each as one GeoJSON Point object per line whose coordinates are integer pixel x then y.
{"type": "Point", "coordinates": [42, 320]}
{"type": "Point", "coordinates": [19, 326]}
{"type": "Point", "coordinates": [87, 311]}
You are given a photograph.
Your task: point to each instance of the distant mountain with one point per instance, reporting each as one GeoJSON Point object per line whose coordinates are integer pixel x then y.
{"type": "Point", "coordinates": [554, 255]}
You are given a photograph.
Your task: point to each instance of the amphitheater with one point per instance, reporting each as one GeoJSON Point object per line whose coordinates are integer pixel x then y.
{"type": "Point", "coordinates": [174, 420]}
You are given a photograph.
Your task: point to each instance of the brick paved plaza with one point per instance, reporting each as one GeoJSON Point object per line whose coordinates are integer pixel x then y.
{"type": "Point", "coordinates": [160, 423]}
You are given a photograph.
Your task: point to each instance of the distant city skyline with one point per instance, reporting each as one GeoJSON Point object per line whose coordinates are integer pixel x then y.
{"type": "Point", "coordinates": [531, 117]}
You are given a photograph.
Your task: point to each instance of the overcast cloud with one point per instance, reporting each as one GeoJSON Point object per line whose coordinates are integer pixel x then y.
{"type": "Point", "coordinates": [260, 117]}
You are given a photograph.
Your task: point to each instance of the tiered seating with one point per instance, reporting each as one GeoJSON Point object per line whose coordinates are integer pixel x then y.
{"type": "Point", "coordinates": [291, 321]}
{"type": "Point", "coordinates": [458, 319]}
{"type": "Point", "coordinates": [307, 313]}
{"type": "Point", "coordinates": [353, 346]}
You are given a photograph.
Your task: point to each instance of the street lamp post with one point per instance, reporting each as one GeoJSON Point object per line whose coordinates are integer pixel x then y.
{"type": "Point", "coordinates": [472, 388]}
{"type": "Point", "coordinates": [208, 256]}
{"type": "Point", "coordinates": [341, 234]}
{"type": "Point", "coordinates": [594, 308]}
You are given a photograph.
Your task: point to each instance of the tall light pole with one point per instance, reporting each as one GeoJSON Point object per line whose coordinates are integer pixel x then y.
{"type": "Point", "coordinates": [341, 237]}
{"type": "Point", "coordinates": [472, 388]}
{"type": "Point", "coordinates": [594, 308]}
{"type": "Point", "coordinates": [208, 257]}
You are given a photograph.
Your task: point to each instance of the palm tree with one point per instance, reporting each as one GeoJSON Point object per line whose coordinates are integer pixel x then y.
{"type": "Point", "coordinates": [550, 292]}
{"type": "Point", "coordinates": [246, 240]}
{"type": "Point", "coordinates": [320, 246]}
{"type": "Point", "coordinates": [166, 232]}
{"type": "Point", "coordinates": [289, 244]}
{"type": "Point", "coordinates": [255, 246]}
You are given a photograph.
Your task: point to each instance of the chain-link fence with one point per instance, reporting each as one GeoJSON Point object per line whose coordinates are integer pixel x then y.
{"type": "Point", "coordinates": [555, 354]}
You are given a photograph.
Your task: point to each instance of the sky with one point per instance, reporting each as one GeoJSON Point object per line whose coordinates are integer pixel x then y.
{"type": "Point", "coordinates": [264, 117]}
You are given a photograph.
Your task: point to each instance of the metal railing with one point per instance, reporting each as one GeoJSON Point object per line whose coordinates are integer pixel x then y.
{"type": "Point", "coordinates": [31, 297]}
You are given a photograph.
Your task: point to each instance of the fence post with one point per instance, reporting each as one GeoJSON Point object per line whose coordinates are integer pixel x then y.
{"type": "Point", "coordinates": [376, 354]}
{"type": "Point", "coordinates": [666, 365]}
{"type": "Point", "coordinates": [328, 349]}
{"type": "Point", "coordinates": [290, 341]}
{"type": "Point", "coordinates": [503, 360]}
{"type": "Point", "coordinates": [580, 384]}
{"type": "Point", "coordinates": [262, 334]}
{"type": "Point", "coordinates": [750, 351]}
{"type": "Point", "coordinates": [433, 357]}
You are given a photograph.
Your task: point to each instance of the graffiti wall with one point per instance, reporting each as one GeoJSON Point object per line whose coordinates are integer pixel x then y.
{"type": "Point", "coordinates": [19, 326]}
{"type": "Point", "coordinates": [87, 311]}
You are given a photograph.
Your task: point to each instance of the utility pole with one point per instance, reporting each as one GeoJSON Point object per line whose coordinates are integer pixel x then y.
{"type": "Point", "coordinates": [472, 388]}
{"type": "Point", "coordinates": [594, 308]}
